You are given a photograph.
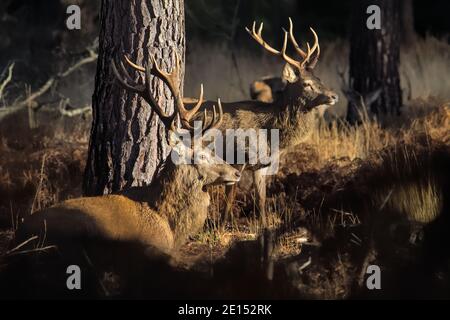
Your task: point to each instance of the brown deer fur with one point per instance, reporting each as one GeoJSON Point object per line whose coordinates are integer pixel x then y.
{"type": "Point", "coordinates": [162, 215]}
{"type": "Point", "coordinates": [290, 111]}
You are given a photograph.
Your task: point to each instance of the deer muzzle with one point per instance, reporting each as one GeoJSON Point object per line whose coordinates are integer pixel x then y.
{"type": "Point", "coordinates": [328, 98]}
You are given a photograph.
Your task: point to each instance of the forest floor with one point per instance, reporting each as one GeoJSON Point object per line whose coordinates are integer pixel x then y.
{"type": "Point", "coordinates": [348, 198]}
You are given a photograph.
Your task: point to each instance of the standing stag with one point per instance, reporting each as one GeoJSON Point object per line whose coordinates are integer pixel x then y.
{"type": "Point", "coordinates": [161, 215]}
{"type": "Point", "coordinates": [272, 89]}
{"type": "Point", "coordinates": [290, 112]}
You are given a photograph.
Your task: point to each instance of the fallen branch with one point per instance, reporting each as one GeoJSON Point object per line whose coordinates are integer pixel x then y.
{"type": "Point", "coordinates": [30, 101]}
{"type": "Point", "coordinates": [75, 112]}
{"type": "Point", "coordinates": [91, 58]}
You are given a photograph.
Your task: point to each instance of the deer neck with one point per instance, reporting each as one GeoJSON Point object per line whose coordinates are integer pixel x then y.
{"type": "Point", "coordinates": [293, 120]}
{"type": "Point", "coordinates": [181, 199]}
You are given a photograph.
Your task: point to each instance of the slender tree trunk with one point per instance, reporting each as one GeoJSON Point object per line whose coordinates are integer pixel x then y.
{"type": "Point", "coordinates": [407, 14]}
{"type": "Point", "coordinates": [127, 141]}
{"type": "Point", "coordinates": [375, 57]}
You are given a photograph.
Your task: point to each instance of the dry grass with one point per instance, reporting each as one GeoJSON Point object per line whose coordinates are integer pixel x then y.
{"type": "Point", "coordinates": [340, 146]}
{"type": "Point", "coordinates": [338, 140]}
{"type": "Point", "coordinates": [309, 193]}
{"type": "Point", "coordinates": [348, 151]}
{"type": "Point", "coordinates": [424, 71]}
{"type": "Point", "coordinates": [418, 202]}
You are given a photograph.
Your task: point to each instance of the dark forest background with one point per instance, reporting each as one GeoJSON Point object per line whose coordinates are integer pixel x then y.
{"type": "Point", "coordinates": [375, 193]}
{"type": "Point", "coordinates": [33, 32]}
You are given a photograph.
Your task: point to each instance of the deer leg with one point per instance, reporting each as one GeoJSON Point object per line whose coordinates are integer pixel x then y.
{"type": "Point", "coordinates": [230, 192]}
{"type": "Point", "coordinates": [259, 181]}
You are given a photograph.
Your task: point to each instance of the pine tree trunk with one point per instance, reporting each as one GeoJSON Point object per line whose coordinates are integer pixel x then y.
{"type": "Point", "coordinates": [127, 142]}
{"type": "Point", "coordinates": [375, 57]}
{"type": "Point", "coordinates": [407, 14]}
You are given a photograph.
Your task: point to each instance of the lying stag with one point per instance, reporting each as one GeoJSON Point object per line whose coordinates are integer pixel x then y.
{"type": "Point", "coordinates": [161, 215]}
{"type": "Point", "coordinates": [267, 89]}
{"type": "Point", "coordinates": [290, 113]}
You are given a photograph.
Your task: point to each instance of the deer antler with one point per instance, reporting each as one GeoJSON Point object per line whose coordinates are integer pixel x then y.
{"type": "Point", "coordinates": [171, 80]}
{"type": "Point", "coordinates": [215, 121]}
{"type": "Point", "coordinates": [305, 56]}
{"type": "Point", "coordinates": [257, 36]}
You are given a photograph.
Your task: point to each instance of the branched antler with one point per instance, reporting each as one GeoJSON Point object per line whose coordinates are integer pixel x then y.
{"type": "Point", "coordinates": [305, 62]}
{"type": "Point", "coordinates": [172, 81]}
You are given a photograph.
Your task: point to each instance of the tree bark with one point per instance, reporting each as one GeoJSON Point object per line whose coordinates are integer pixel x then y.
{"type": "Point", "coordinates": [407, 15]}
{"type": "Point", "coordinates": [375, 58]}
{"type": "Point", "coordinates": [127, 142]}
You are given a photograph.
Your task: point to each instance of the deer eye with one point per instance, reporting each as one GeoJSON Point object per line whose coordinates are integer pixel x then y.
{"type": "Point", "coordinates": [308, 85]}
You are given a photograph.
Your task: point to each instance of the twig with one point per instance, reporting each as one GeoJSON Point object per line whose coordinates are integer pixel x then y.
{"type": "Point", "coordinates": [32, 250]}
{"type": "Point", "coordinates": [28, 102]}
{"type": "Point", "coordinates": [14, 219]}
{"type": "Point", "coordinates": [305, 265]}
{"type": "Point", "coordinates": [41, 243]}
{"type": "Point", "coordinates": [7, 79]}
{"type": "Point", "coordinates": [41, 178]}
{"type": "Point", "coordinates": [22, 244]}
{"type": "Point", "coordinates": [385, 201]}
{"type": "Point", "coordinates": [52, 81]}
{"type": "Point", "coordinates": [91, 58]}
{"type": "Point", "coordinates": [75, 112]}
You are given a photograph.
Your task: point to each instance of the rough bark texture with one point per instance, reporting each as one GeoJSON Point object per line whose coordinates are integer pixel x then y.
{"type": "Point", "coordinates": [375, 57]}
{"type": "Point", "coordinates": [127, 139]}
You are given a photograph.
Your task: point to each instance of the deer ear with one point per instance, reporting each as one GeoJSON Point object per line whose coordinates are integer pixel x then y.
{"type": "Point", "coordinates": [372, 96]}
{"type": "Point", "coordinates": [289, 73]}
{"type": "Point", "coordinates": [172, 138]}
{"type": "Point", "coordinates": [179, 153]}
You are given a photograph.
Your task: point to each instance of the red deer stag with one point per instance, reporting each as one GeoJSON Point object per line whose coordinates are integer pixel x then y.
{"type": "Point", "coordinates": [161, 215]}
{"type": "Point", "coordinates": [290, 113]}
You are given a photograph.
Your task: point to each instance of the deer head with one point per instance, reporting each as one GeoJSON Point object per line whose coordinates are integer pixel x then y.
{"type": "Point", "coordinates": [302, 86]}
{"type": "Point", "coordinates": [359, 105]}
{"type": "Point", "coordinates": [208, 169]}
